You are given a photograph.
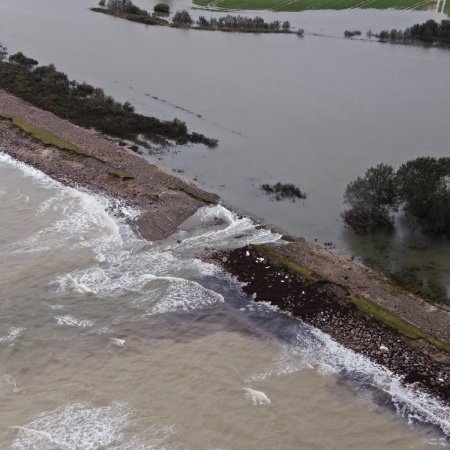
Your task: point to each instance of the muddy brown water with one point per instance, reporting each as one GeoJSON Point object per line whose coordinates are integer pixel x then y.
{"type": "Point", "coordinates": [108, 341]}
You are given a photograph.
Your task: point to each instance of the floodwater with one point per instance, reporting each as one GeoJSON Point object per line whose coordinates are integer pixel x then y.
{"type": "Point", "coordinates": [109, 341]}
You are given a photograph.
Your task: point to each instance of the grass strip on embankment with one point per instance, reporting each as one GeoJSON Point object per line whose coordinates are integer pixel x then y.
{"type": "Point", "coordinates": [277, 258]}
{"type": "Point", "coordinates": [395, 322]}
{"type": "Point", "coordinates": [122, 174]}
{"type": "Point", "coordinates": [45, 136]}
{"type": "Point", "coordinates": [361, 302]}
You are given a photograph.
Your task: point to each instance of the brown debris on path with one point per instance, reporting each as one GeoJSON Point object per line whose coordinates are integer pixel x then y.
{"type": "Point", "coordinates": [165, 200]}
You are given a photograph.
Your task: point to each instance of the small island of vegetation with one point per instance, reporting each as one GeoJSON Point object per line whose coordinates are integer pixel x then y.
{"type": "Point", "coordinates": [162, 8]}
{"type": "Point", "coordinates": [125, 9]}
{"type": "Point", "coordinates": [280, 191]}
{"type": "Point", "coordinates": [87, 106]}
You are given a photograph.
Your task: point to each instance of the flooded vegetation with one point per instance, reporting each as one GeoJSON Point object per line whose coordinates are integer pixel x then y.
{"type": "Point", "coordinates": [426, 33]}
{"type": "Point", "coordinates": [182, 18]}
{"type": "Point", "coordinates": [420, 188]}
{"type": "Point", "coordinates": [283, 191]}
{"type": "Point", "coordinates": [86, 105]}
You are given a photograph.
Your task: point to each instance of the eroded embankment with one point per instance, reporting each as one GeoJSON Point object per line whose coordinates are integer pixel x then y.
{"type": "Point", "coordinates": [337, 295]}
{"type": "Point", "coordinates": [86, 159]}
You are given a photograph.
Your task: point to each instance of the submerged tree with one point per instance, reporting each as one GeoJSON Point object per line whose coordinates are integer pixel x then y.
{"type": "Point", "coordinates": [423, 186]}
{"type": "Point", "coordinates": [162, 7]}
{"type": "Point", "coordinates": [125, 6]}
{"type": "Point", "coordinates": [286, 25]}
{"type": "Point", "coordinates": [182, 18]}
{"type": "Point", "coordinates": [372, 199]}
{"type": "Point", "coordinates": [420, 186]}
{"type": "Point", "coordinates": [3, 52]}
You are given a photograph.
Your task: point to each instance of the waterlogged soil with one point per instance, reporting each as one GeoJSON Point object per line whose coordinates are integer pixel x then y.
{"type": "Point", "coordinates": [323, 304]}
{"type": "Point", "coordinates": [163, 199]}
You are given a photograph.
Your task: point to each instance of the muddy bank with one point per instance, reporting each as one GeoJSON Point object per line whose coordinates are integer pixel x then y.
{"type": "Point", "coordinates": [323, 293]}
{"type": "Point", "coordinates": [165, 200]}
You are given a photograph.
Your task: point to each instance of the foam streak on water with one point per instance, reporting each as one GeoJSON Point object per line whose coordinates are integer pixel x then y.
{"type": "Point", "coordinates": [75, 426]}
{"type": "Point", "coordinates": [310, 349]}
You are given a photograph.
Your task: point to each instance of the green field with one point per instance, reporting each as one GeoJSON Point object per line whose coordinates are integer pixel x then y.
{"type": "Point", "coordinates": [302, 5]}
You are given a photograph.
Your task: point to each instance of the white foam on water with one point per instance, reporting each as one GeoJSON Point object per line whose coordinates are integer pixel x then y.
{"type": "Point", "coordinates": [28, 171]}
{"type": "Point", "coordinates": [183, 295]}
{"type": "Point", "coordinates": [311, 348]}
{"type": "Point", "coordinates": [117, 341]}
{"type": "Point", "coordinates": [287, 363]}
{"type": "Point", "coordinates": [81, 219]}
{"type": "Point", "coordinates": [256, 397]}
{"type": "Point", "coordinates": [21, 197]}
{"type": "Point", "coordinates": [75, 426]}
{"type": "Point", "coordinates": [70, 321]}
{"type": "Point", "coordinates": [126, 263]}
{"type": "Point", "coordinates": [57, 306]}
{"type": "Point", "coordinates": [234, 231]}
{"type": "Point", "coordinates": [14, 333]}
{"type": "Point", "coordinates": [9, 380]}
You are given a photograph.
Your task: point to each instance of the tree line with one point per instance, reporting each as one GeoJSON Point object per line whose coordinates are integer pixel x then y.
{"type": "Point", "coordinates": [86, 105]}
{"type": "Point", "coordinates": [420, 188]}
{"type": "Point", "coordinates": [241, 22]}
{"type": "Point", "coordinates": [127, 10]}
{"type": "Point", "coordinates": [429, 31]}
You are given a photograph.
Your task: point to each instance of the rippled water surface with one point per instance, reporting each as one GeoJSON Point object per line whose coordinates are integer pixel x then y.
{"type": "Point", "coordinates": [108, 341]}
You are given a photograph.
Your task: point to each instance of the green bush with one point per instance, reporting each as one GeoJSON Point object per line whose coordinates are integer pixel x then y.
{"type": "Point", "coordinates": [162, 7]}
{"type": "Point", "coordinates": [282, 191]}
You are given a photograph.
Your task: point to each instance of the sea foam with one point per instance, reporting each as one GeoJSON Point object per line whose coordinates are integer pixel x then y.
{"type": "Point", "coordinates": [13, 334]}
{"type": "Point", "coordinates": [75, 426]}
{"type": "Point", "coordinates": [256, 397]}
{"type": "Point", "coordinates": [310, 349]}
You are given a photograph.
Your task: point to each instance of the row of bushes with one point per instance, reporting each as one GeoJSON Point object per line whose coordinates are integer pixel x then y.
{"type": "Point", "coordinates": [241, 22]}
{"type": "Point", "coordinates": [85, 105]}
{"type": "Point", "coordinates": [420, 187]}
{"type": "Point", "coordinates": [351, 33]}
